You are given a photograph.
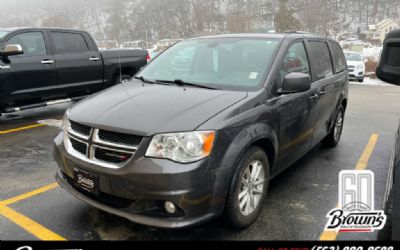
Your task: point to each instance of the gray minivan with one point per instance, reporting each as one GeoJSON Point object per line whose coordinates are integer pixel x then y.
{"type": "Point", "coordinates": [203, 128]}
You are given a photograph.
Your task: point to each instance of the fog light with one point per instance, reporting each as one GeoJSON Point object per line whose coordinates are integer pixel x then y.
{"type": "Point", "coordinates": [170, 207]}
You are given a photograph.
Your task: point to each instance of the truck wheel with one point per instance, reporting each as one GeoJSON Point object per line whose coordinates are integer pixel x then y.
{"type": "Point", "coordinates": [122, 79]}
{"type": "Point", "coordinates": [248, 189]}
{"type": "Point", "coordinates": [386, 233]}
{"type": "Point", "coordinates": [333, 138]}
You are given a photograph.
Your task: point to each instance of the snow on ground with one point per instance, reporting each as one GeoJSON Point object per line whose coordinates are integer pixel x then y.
{"type": "Point", "coordinates": [370, 81]}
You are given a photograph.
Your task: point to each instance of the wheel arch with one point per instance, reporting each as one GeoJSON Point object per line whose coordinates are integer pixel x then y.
{"type": "Point", "coordinates": [260, 135]}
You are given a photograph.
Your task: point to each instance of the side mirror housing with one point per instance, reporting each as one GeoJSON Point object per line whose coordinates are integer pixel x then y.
{"type": "Point", "coordinates": [12, 50]}
{"type": "Point", "coordinates": [389, 65]}
{"type": "Point", "coordinates": [295, 83]}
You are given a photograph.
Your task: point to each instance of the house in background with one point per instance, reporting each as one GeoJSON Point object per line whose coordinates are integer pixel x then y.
{"type": "Point", "coordinates": [138, 44]}
{"type": "Point", "coordinates": [377, 32]}
{"type": "Point", "coordinates": [107, 44]}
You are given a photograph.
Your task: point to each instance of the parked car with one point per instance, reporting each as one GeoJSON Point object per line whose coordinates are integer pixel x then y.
{"type": "Point", "coordinates": [153, 53]}
{"type": "Point", "coordinates": [356, 66]}
{"type": "Point", "coordinates": [178, 146]}
{"type": "Point", "coordinates": [39, 67]}
{"type": "Point", "coordinates": [389, 71]}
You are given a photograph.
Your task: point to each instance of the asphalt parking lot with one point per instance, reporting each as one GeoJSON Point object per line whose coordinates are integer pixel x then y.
{"type": "Point", "coordinates": [33, 207]}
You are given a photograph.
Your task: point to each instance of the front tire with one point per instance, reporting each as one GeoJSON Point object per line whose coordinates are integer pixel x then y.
{"type": "Point", "coordinates": [360, 80]}
{"type": "Point", "coordinates": [248, 189]}
{"type": "Point", "coordinates": [333, 138]}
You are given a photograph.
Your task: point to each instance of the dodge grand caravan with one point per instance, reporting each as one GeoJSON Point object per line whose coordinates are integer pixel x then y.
{"type": "Point", "coordinates": [204, 127]}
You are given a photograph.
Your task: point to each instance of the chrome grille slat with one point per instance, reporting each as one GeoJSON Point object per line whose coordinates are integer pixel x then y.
{"type": "Point", "coordinates": [98, 140]}
{"type": "Point", "coordinates": [84, 143]}
{"type": "Point", "coordinates": [119, 138]}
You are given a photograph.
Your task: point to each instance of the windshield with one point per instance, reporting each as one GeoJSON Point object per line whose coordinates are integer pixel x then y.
{"type": "Point", "coordinates": [3, 34]}
{"type": "Point", "coordinates": [223, 63]}
{"type": "Point", "coordinates": [353, 57]}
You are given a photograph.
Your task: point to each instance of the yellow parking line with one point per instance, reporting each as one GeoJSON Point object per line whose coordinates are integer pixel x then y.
{"type": "Point", "coordinates": [29, 225]}
{"type": "Point", "coordinates": [24, 222]}
{"type": "Point", "coordinates": [363, 161]}
{"type": "Point", "coordinates": [28, 195]}
{"type": "Point", "coordinates": [361, 165]}
{"type": "Point", "coordinates": [21, 129]}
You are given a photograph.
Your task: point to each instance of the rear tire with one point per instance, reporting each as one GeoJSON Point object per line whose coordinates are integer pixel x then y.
{"type": "Point", "coordinates": [248, 189]}
{"type": "Point", "coordinates": [333, 138]}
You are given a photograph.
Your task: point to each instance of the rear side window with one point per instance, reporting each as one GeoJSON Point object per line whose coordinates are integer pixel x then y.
{"type": "Point", "coordinates": [338, 58]}
{"type": "Point", "coordinates": [295, 60]}
{"type": "Point", "coordinates": [32, 43]}
{"type": "Point", "coordinates": [394, 59]}
{"type": "Point", "coordinates": [321, 59]}
{"type": "Point", "coordinates": [69, 42]}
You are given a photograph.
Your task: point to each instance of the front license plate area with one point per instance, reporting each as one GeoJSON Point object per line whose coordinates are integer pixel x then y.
{"type": "Point", "coordinates": [86, 181]}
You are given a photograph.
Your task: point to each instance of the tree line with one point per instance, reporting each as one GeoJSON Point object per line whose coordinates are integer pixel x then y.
{"type": "Point", "coordinates": [125, 20]}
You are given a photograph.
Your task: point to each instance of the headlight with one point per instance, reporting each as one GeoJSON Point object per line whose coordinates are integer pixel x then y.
{"type": "Point", "coordinates": [360, 66]}
{"type": "Point", "coordinates": [65, 122]}
{"type": "Point", "coordinates": [182, 147]}
{"type": "Point", "coordinates": [65, 126]}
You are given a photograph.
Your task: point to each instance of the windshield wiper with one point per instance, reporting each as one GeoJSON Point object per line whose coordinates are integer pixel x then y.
{"type": "Point", "coordinates": [141, 78]}
{"type": "Point", "coordinates": [183, 83]}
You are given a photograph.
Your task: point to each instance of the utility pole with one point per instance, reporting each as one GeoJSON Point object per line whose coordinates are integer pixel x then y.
{"type": "Point", "coordinates": [147, 40]}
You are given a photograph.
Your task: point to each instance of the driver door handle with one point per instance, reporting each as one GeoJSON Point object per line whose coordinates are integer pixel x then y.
{"type": "Point", "coordinates": [321, 93]}
{"type": "Point", "coordinates": [47, 61]}
{"type": "Point", "coordinates": [94, 59]}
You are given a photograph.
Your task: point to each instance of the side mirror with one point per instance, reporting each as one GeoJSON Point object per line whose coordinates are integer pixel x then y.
{"type": "Point", "coordinates": [365, 60]}
{"type": "Point", "coordinates": [295, 83]}
{"type": "Point", "coordinates": [12, 50]}
{"type": "Point", "coordinates": [389, 65]}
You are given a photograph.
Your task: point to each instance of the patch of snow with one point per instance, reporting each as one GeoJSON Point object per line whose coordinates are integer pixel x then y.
{"type": "Point", "coordinates": [374, 53]}
{"type": "Point", "coordinates": [371, 81]}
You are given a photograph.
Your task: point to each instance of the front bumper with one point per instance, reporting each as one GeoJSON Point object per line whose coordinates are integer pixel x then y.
{"type": "Point", "coordinates": [138, 190]}
{"type": "Point", "coordinates": [356, 74]}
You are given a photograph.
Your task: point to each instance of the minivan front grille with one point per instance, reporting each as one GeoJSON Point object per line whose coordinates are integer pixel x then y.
{"type": "Point", "coordinates": [101, 147]}
{"type": "Point", "coordinates": [118, 138]}
{"type": "Point", "coordinates": [111, 155]}
{"type": "Point", "coordinates": [80, 129]}
{"type": "Point", "coordinates": [79, 146]}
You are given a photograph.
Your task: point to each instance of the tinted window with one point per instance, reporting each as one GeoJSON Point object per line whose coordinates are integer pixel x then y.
{"type": "Point", "coordinates": [393, 59]}
{"type": "Point", "coordinates": [228, 63]}
{"type": "Point", "coordinates": [31, 42]}
{"type": "Point", "coordinates": [295, 60]}
{"type": "Point", "coordinates": [69, 42]}
{"type": "Point", "coordinates": [321, 59]}
{"type": "Point", "coordinates": [338, 58]}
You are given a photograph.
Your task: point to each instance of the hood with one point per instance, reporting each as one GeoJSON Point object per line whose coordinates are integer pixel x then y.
{"type": "Point", "coordinates": [147, 109]}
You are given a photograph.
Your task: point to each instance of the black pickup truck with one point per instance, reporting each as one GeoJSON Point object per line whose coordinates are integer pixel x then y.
{"type": "Point", "coordinates": [43, 66]}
